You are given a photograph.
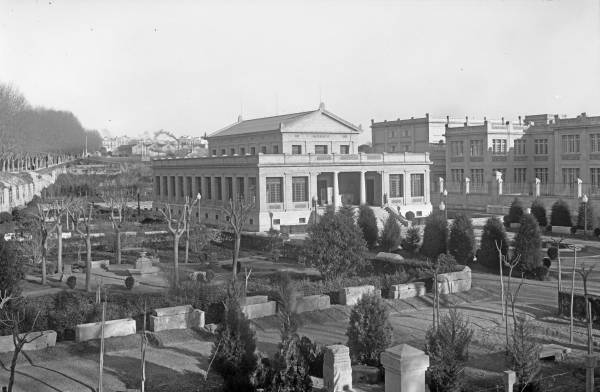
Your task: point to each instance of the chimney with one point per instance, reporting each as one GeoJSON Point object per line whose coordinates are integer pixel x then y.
{"type": "Point", "coordinates": [240, 119]}
{"type": "Point", "coordinates": [466, 120]}
{"type": "Point", "coordinates": [520, 123]}
{"type": "Point", "coordinates": [322, 106]}
{"type": "Point", "coordinates": [372, 121]}
{"type": "Point", "coordinates": [447, 119]}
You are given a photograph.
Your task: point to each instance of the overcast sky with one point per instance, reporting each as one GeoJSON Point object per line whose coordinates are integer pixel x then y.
{"type": "Point", "coordinates": [192, 66]}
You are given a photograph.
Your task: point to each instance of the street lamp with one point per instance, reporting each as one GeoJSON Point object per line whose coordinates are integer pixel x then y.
{"type": "Point", "coordinates": [314, 204]}
{"type": "Point", "coordinates": [584, 200]}
{"type": "Point", "coordinates": [443, 208]}
{"type": "Point", "coordinates": [445, 194]}
{"type": "Point", "coordinates": [271, 217]}
{"type": "Point", "coordinates": [198, 198]}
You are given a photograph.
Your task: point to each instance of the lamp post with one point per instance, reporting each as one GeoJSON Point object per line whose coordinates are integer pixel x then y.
{"type": "Point", "coordinates": [584, 200]}
{"type": "Point", "coordinates": [198, 198]}
{"type": "Point", "coordinates": [445, 194]}
{"type": "Point", "coordinates": [271, 217]}
{"type": "Point", "coordinates": [314, 203]}
{"type": "Point", "coordinates": [443, 209]}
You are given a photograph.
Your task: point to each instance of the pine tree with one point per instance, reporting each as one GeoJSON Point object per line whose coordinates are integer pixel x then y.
{"type": "Point", "coordinates": [515, 212]}
{"type": "Point", "coordinates": [435, 235]}
{"type": "Point", "coordinates": [493, 233]}
{"type": "Point", "coordinates": [560, 214]}
{"type": "Point", "coordinates": [368, 224]}
{"type": "Point", "coordinates": [390, 236]}
{"type": "Point", "coordinates": [411, 242]}
{"type": "Point", "coordinates": [462, 239]}
{"type": "Point", "coordinates": [528, 243]}
{"type": "Point", "coordinates": [335, 246]}
{"type": "Point", "coordinates": [539, 211]}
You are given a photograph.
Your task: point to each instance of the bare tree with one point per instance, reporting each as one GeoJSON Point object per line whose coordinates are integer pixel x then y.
{"type": "Point", "coordinates": [585, 273]}
{"type": "Point", "coordinates": [82, 213]}
{"type": "Point", "coordinates": [188, 222]}
{"type": "Point", "coordinates": [501, 272]}
{"type": "Point", "coordinates": [237, 211]}
{"type": "Point", "coordinates": [117, 202]}
{"type": "Point", "coordinates": [572, 291]}
{"type": "Point", "coordinates": [177, 226]}
{"type": "Point", "coordinates": [13, 320]}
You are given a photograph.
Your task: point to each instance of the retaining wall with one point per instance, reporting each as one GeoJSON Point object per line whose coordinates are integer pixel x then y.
{"type": "Point", "coordinates": [259, 306]}
{"type": "Point", "coordinates": [176, 317]}
{"type": "Point", "coordinates": [351, 295]}
{"type": "Point", "coordinates": [121, 327]}
{"type": "Point", "coordinates": [407, 290]}
{"type": "Point", "coordinates": [312, 302]}
{"type": "Point", "coordinates": [40, 341]}
{"type": "Point", "coordinates": [455, 282]}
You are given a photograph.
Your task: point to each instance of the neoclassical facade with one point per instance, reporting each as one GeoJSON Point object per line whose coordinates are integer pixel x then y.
{"type": "Point", "coordinates": [293, 165]}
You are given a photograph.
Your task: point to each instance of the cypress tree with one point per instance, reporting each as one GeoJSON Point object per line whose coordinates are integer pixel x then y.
{"type": "Point", "coordinates": [435, 235]}
{"type": "Point", "coordinates": [528, 243]}
{"type": "Point", "coordinates": [368, 224]}
{"type": "Point", "coordinates": [493, 232]}
{"type": "Point", "coordinates": [462, 239]}
{"type": "Point", "coordinates": [539, 211]}
{"type": "Point", "coordinates": [390, 236]}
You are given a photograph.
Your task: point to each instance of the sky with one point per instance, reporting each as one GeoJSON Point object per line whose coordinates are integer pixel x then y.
{"type": "Point", "coordinates": [191, 67]}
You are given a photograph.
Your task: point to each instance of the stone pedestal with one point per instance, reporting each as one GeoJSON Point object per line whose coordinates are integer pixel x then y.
{"type": "Point", "coordinates": [509, 378]}
{"type": "Point", "coordinates": [405, 368]}
{"type": "Point", "coordinates": [337, 370]}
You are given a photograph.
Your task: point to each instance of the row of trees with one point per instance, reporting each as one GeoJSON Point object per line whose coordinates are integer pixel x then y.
{"type": "Point", "coordinates": [27, 129]}
{"type": "Point", "coordinates": [560, 214]}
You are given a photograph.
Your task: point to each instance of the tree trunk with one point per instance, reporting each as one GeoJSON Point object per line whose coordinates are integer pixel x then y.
{"type": "Point", "coordinates": [236, 253]}
{"type": "Point", "coordinates": [88, 263]}
{"type": "Point", "coordinates": [572, 297]}
{"type": "Point", "coordinates": [44, 276]}
{"type": "Point", "coordinates": [187, 244]}
{"type": "Point", "coordinates": [13, 364]}
{"type": "Point", "coordinates": [59, 265]}
{"type": "Point", "coordinates": [176, 238]}
{"type": "Point", "coordinates": [118, 239]}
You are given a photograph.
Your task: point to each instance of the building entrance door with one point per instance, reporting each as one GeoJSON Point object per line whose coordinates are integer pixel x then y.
{"type": "Point", "coordinates": [322, 191]}
{"type": "Point", "coordinates": [370, 191]}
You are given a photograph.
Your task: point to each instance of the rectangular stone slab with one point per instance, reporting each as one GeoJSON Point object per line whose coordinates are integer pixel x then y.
{"type": "Point", "coordinates": [312, 302]}
{"type": "Point", "coordinates": [99, 263]}
{"type": "Point", "coordinates": [193, 319]}
{"type": "Point", "coordinates": [90, 331]}
{"type": "Point", "coordinates": [407, 290]}
{"type": "Point", "coordinates": [351, 295]}
{"type": "Point", "coordinates": [257, 299]}
{"type": "Point", "coordinates": [41, 340]}
{"type": "Point", "coordinates": [554, 351]}
{"type": "Point", "coordinates": [260, 310]}
{"type": "Point", "coordinates": [172, 310]}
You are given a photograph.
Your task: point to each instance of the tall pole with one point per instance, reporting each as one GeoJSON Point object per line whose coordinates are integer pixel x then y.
{"type": "Point", "coordinates": [101, 366]}
{"type": "Point", "coordinates": [572, 295]}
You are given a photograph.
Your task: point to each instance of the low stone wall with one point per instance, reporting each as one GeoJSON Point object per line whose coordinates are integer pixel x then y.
{"type": "Point", "coordinates": [40, 341]}
{"type": "Point", "coordinates": [351, 295]}
{"type": "Point", "coordinates": [455, 282]}
{"type": "Point", "coordinates": [259, 306]}
{"type": "Point", "coordinates": [121, 327]}
{"type": "Point", "coordinates": [176, 317]}
{"type": "Point", "coordinates": [561, 230]}
{"type": "Point", "coordinates": [312, 302]}
{"type": "Point", "coordinates": [407, 290]}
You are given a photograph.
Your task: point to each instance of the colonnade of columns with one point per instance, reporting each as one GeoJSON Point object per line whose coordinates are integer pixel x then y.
{"type": "Point", "coordinates": [215, 187]}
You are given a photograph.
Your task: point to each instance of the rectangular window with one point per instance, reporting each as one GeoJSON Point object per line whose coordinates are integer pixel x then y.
{"type": "Point", "coordinates": [570, 175]}
{"type": "Point", "coordinates": [208, 182]}
{"type": "Point", "coordinates": [299, 189]}
{"type": "Point", "coordinates": [498, 146]}
{"type": "Point", "coordinates": [456, 148]}
{"type": "Point", "coordinates": [252, 150]}
{"type": "Point", "coordinates": [541, 146]}
{"type": "Point", "coordinates": [242, 151]}
{"type": "Point", "coordinates": [252, 187]}
{"type": "Point", "coordinates": [232, 151]}
{"type": "Point", "coordinates": [457, 175]}
{"type": "Point", "coordinates": [240, 187]}
{"type": "Point", "coordinates": [396, 185]}
{"type": "Point", "coordinates": [503, 171]}
{"type": "Point", "coordinates": [392, 134]}
{"type": "Point", "coordinates": [476, 177]}
{"type": "Point", "coordinates": [393, 148]}
{"type": "Point", "coordinates": [296, 149]}
{"type": "Point", "coordinates": [263, 149]}
{"type": "Point", "coordinates": [229, 185]}
{"type": "Point", "coordinates": [321, 149]}
{"type": "Point", "coordinates": [406, 147]}
{"type": "Point", "coordinates": [542, 174]}
{"type": "Point", "coordinates": [570, 144]}
{"type": "Point", "coordinates": [595, 142]}
{"type": "Point", "coordinates": [157, 184]}
{"type": "Point", "coordinates": [344, 149]}
{"type": "Point", "coordinates": [476, 148]}
{"type": "Point", "coordinates": [223, 151]}
{"type": "Point", "coordinates": [520, 147]}
{"type": "Point", "coordinates": [417, 185]}
{"type": "Point", "coordinates": [595, 176]}
{"type": "Point", "coordinates": [219, 187]}
{"type": "Point", "coordinates": [214, 151]}
{"type": "Point", "coordinates": [275, 149]}
{"type": "Point", "coordinates": [520, 175]}
{"type": "Point", "coordinates": [274, 190]}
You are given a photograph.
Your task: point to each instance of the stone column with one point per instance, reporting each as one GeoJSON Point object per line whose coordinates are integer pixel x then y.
{"type": "Point", "coordinates": [234, 187]}
{"type": "Point", "coordinates": [467, 185]}
{"type": "Point", "coordinates": [164, 189]}
{"type": "Point", "coordinates": [384, 195]}
{"type": "Point", "coordinates": [196, 186]}
{"type": "Point", "coordinates": [363, 190]}
{"type": "Point", "coordinates": [590, 364]}
{"type": "Point", "coordinates": [337, 370]}
{"type": "Point", "coordinates": [579, 188]}
{"type": "Point", "coordinates": [405, 368]}
{"type": "Point", "coordinates": [500, 182]}
{"type": "Point", "coordinates": [224, 194]}
{"type": "Point", "coordinates": [537, 187]}
{"type": "Point", "coordinates": [185, 184]}
{"type": "Point", "coordinates": [178, 195]}
{"type": "Point", "coordinates": [509, 378]}
{"type": "Point", "coordinates": [336, 191]}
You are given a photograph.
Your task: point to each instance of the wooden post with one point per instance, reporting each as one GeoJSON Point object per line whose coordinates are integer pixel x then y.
{"type": "Point", "coordinates": [572, 295]}
{"type": "Point", "coordinates": [101, 366]}
{"type": "Point", "coordinates": [143, 353]}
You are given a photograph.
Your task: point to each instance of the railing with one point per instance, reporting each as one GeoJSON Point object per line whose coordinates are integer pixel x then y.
{"type": "Point", "coordinates": [518, 188]}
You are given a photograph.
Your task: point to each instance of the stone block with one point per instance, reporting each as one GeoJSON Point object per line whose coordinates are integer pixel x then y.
{"type": "Point", "coordinates": [176, 317]}
{"type": "Point", "coordinates": [337, 370]}
{"type": "Point", "coordinates": [561, 230]}
{"type": "Point", "coordinates": [257, 299]}
{"type": "Point", "coordinates": [351, 295]}
{"type": "Point", "coordinates": [312, 302]}
{"type": "Point", "coordinates": [407, 290]}
{"type": "Point", "coordinates": [99, 263]}
{"type": "Point", "coordinates": [362, 374]}
{"type": "Point", "coordinates": [455, 282]}
{"type": "Point", "coordinates": [405, 368]}
{"type": "Point", "coordinates": [258, 310]}
{"type": "Point", "coordinates": [41, 340]}
{"type": "Point", "coordinates": [554, 351]}
{"type": "Point", "coordinates": [120, 327]}
{"type": "Point", "coordinates": [197, 276]}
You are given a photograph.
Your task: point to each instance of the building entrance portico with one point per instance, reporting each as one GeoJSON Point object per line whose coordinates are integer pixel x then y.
{"type": "Point", "coordinates": [351, 188]}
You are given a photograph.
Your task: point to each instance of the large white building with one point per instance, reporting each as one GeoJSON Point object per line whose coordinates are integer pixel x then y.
{"type": "Point", "coordinates": [291, 165]}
